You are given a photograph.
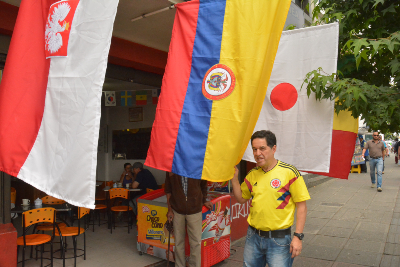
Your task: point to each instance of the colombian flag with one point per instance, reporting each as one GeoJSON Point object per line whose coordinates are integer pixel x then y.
{"type": "Point", "coordinates": [344, 135]}
{"type": "Point", "coordinates": [219, 64]}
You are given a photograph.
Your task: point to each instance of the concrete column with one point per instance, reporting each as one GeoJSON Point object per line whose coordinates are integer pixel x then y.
{"type": "Point", "coordinates": [8, 234]}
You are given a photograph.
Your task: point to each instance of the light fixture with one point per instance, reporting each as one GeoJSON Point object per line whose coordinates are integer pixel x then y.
{"type": "Point", "coordinates": [153, 13]}
{"type": "Point", "coordinates": [176, 1]}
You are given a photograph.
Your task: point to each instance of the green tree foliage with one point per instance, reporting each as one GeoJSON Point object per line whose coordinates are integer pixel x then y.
{"type": "Point", "coordinates": [390, 136]}
{"type": "Point", "coordinates": [367, 82]}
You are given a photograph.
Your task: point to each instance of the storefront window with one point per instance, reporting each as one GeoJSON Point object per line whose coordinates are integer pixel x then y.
{"type": "Point", "coordinates": [131, 143]}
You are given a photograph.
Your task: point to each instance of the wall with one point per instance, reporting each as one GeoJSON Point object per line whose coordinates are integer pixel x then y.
{"type": "Point", "coordinates": [297, 17]}
{"type": "Point", "coordinates": [116, 118]}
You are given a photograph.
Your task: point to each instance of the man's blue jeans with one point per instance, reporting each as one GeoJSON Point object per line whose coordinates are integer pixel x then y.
{"type": "Point", "coordinates": [378, 164]}
{"type": "Point", "coordinates": [259, 251]}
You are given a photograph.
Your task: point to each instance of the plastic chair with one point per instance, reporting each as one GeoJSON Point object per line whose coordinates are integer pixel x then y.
{"type": "Point", "coordinates": [32, 217]}
{"type": "Point", "coordinates": [52, 200]}
{"type": "Point", "coordinates": [74, 232]}
{"type": "Point", "coordinates": [98, 208]}
{"type": "Point", "coordinates": [49, 200]}
{"type": "Point", "coordinates": [13, 195]}
{"type": "Point", "coordinates": [119, 193]}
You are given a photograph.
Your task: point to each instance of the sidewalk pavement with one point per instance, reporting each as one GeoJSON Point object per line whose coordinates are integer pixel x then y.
{"type": "Point", "coordinates": [349, 224]}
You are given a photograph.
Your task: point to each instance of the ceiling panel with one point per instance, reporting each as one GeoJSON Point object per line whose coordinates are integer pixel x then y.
{"type": "Point", "coordinates": [154, 31]}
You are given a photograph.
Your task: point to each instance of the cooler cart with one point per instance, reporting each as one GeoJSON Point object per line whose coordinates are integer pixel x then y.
{"type": "Point", "coordinates": [153, 236]}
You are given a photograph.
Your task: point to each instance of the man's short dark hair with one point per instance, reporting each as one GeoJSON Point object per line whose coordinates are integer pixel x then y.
{"type": "Point", "coordinates": [269, 137]}
{"type": "Point", "coordinates": [396, 139]}
{"type": "Point", "coordinates": [126, 164]}
{"type": "Point", "coordinates": [138, 165]}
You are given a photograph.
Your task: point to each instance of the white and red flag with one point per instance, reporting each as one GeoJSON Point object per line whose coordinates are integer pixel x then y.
{"type": "Point", "coordinates": [309, 134]}
{"type": "Point", "coordinates": [50, 95]}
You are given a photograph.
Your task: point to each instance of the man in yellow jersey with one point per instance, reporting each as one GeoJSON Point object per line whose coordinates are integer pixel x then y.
{"type": "Point", "coordinates": [276, 190]}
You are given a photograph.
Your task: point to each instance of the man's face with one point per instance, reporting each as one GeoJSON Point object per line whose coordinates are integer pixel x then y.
{"type": "Point", "coordinates": [136, 170]}
{"type": "Point", "coordinates": [376, 136]}
{"type": "Point", "coordinates": [262, 152]}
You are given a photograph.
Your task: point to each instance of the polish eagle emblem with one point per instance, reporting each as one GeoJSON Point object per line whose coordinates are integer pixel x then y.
{"type": "Point", "coordinates": [53, 38]}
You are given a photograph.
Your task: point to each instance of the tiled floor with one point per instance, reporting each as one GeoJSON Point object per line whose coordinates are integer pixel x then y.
{"type": "Point", "coordinates": [104, 249]}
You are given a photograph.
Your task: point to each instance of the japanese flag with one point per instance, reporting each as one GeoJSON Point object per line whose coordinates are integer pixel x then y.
{"type": "Point", "coordinates": [302, 125]}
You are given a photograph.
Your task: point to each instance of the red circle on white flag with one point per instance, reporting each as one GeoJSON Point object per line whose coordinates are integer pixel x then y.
{"type": "Point", "coordinates": [284, 96]}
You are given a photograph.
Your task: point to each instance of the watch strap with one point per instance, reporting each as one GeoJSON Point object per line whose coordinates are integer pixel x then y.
{"type": "Point", "coordinates": [299, 235]}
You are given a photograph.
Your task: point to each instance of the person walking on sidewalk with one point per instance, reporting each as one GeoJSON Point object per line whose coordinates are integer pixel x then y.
{"type": "Point", "coordinates": [276, 189]}
{"type": "Point", "coordinates": [364, 165]}
{"type": "Point", "coordinates": [377, 153]}
{"type": "Point", "coordinates": [185, 200]}
{"type": "Point", "coordinates": [395, 150]}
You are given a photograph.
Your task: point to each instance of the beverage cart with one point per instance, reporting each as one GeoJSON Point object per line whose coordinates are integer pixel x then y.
{"type": "Point", "coordinates": [216, 228]}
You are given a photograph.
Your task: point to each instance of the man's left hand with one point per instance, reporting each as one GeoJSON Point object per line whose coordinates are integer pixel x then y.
{"type": "Point", "coordinates": [295, 247]}
{"type": "Point", "coordinates": [209, 205]}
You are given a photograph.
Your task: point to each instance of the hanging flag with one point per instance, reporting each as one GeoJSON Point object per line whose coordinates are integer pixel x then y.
{"type": "Point", "coordinates": [154, 95]}
{"type": "Point", "coordinates": [49, 120]}
{"type": "Point", "coordinates": [126, 98]}
{"type": "Point", "coordinates": [304, 127]}
{"type": "Point", "coordinates": [110, 98]}
{"type": "Point", "coordinates": [220, 60]}
{"type": "Point", "coordinates": [344, 134]}
{"type": "Point", "coordinates": [141, 98]}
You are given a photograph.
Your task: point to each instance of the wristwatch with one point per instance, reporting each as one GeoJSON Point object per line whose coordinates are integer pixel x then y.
{"type": "Point", "coordinates": [299, 235]}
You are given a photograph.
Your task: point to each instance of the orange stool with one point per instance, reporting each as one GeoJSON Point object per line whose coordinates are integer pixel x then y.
{"type": "Point", "coordinates": [120, 193]}
{"type": "Point", "coordinates": [74, 232]}
{"type": "Point", "coordinates": [98, 208]}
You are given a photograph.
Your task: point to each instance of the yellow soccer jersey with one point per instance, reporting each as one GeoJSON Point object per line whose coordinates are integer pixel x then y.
{"type": "Point", "coordinates": [274, 195]}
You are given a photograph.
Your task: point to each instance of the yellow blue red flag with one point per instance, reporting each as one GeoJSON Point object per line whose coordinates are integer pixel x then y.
{"type": "Point", "coordinates": [219, 64]}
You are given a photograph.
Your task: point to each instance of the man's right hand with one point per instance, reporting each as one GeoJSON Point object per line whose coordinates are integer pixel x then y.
{"type": "Point", "coordinates": [237, 191]}
{"type": "Point", "coordinates": [236, 175]}
{"type": "Point", "coordinates": [170, 215]}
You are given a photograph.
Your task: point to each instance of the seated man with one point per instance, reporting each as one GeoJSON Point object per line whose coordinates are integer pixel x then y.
{"type": "Point", "coordinates": [144, 179]}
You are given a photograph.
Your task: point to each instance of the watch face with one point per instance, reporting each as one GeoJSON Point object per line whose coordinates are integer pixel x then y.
{"type": "Point", "coordinates": [300, 236]}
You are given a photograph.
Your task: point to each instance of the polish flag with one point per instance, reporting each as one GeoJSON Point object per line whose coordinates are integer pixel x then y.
{"type": "Point", "coordinates": [50, 95]}
{"type": "Point", "coordinates": [309, 134]}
